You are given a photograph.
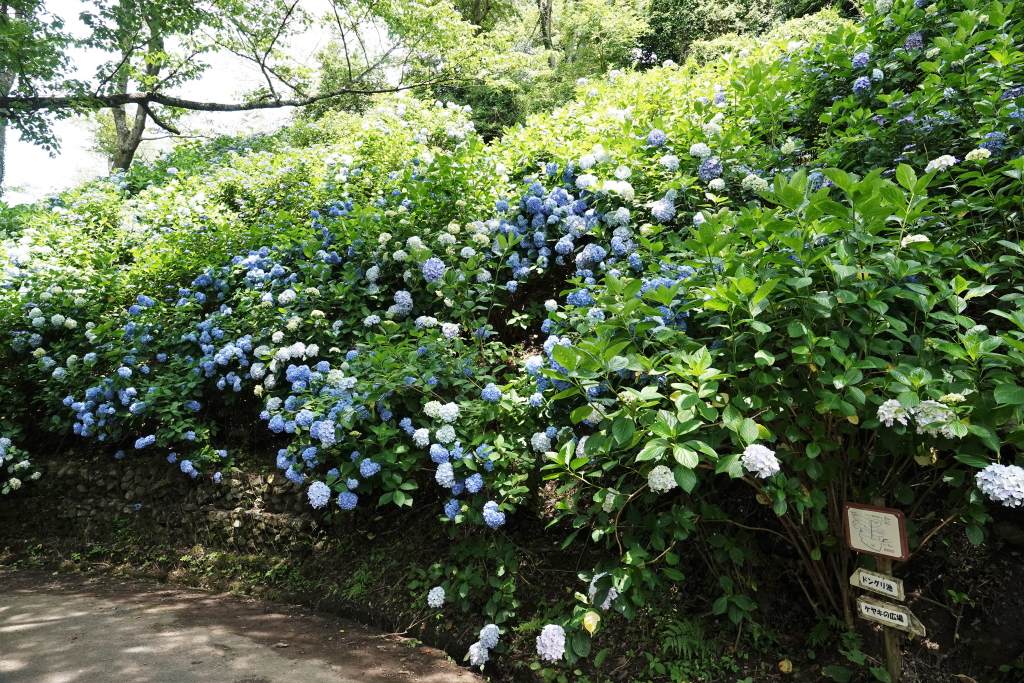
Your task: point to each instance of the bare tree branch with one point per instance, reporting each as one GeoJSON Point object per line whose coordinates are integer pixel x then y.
{"type": "Point", "coordinates": [169, 128]}
{"type": "Point", "coordinates": [13, 107]}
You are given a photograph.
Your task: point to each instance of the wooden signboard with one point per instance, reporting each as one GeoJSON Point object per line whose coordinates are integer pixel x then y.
{"type": "Point", "coordinates": [888, 614]}
{"type": "Point", "coordinates": [877, 531]}
{"type": "Point", "coordinates": [878, 583]}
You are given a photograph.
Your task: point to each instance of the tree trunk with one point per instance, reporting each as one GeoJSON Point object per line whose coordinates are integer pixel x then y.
{"type": "Point", "coordinates": [128, 139]}
{"type": "Point", "coordinates": [6, 83]}
{"type": "Point", "coordinates": [546, 8]}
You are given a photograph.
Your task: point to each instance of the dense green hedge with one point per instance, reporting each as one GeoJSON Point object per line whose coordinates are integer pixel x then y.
{"type": "Point", "coordinates": [791, 271]}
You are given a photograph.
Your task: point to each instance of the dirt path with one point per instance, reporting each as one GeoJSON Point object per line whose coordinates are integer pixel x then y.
{"type": "Point", "coordinates": [68, 629]}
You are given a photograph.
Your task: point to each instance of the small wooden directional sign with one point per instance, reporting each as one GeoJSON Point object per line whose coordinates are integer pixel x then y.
{"type": "Point", "coordinates": [878, 583]}
{"type": "Point", "coordinates": [877, 531]}
{"type": "Point", "coordinates": [888, 614]}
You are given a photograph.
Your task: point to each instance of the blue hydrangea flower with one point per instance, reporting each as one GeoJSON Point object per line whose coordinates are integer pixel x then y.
{"type": "Point", "coordinates": [188, 468]}
{"type": "Point", "coordinates": [709, 169]}
{"type": "Point", "coordinates": [656, 138]}
{"type": "Point", "coordinates": [493, 517]}
{"type": "Point", "coordinates": [318, 493]}
{"type": "Point", "coordinates": [368, 468]}
{"type": "Point", "coordinates": [861, 60]}
{"type": "Point", "coordinates": [452, 508]}
{"type": "Point", "coordinates": [433, 269]}
{"type": "Point", "coordinates": [861, 85]}
{"type": "Point", "coordinates": [474, 483]}
{"type": "Point", "coordinates": [915, 41]}
{"type": "Point", "coordinates": [124, 372]}
{"type": "Point", "coordinates": [218, 477]}
{"type": "Point", "coordinates": [145, 441]}
{"type": "Point", "coordinates": [347, 500]}
{"type": "Point", "coordinates": [439, 453]}
{"type": "Point", "coordinates": [491, 393]}
{"type": "Point", "coordinates": [537, 399]}
{"type": "Point", "coordinates": [445, 475]}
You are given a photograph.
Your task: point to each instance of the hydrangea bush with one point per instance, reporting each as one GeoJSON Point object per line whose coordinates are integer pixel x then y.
{"type": "Point", "coordinates": [763, 276]}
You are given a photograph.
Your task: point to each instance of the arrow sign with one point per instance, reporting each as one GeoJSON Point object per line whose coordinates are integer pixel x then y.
{"type": "Point", "coordinates": [878, 583]}
{"type": "Point", "coordinates": [888, 614]}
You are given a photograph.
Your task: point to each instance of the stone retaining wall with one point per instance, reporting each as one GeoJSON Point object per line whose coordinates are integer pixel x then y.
{"type": "Point", "coordinates": [90, 498]}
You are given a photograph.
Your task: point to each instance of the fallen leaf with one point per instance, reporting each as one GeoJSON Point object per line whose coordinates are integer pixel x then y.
{"type": "Point", "coordinates": [786, 666]}
{"type": "Point", "coordinates": [591, 620]}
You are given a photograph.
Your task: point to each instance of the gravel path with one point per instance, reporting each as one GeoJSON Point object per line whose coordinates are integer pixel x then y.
{"type": "Point", "coordinates": [68, 629]}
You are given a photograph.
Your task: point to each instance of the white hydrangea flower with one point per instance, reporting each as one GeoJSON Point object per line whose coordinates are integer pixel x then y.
{"type": "Point", "coordinates": [940, 164]}
{"type": "Point", "coordinates": [760, 460]}
{"type": "Point", "coordinates": [660, 479]}
{"type": "Point", "coordinates": [699, 150]}
{"type": "Point", "coordinates": [911, 239]}
{"type": "Point", "coordinates": [711, 129]}
{"type": "Point", "coordinates": [540, 442]}
{"type": "Point", "coordinates": [445, 239]}
{"type": "Point", "coordinates": [592, 592]}
{"type": "Point", "coordinates": [489, 636]}
{"type": "Point", "coordinates": [1002, 483]}
{"type": "Point", "coordinates": [609, 500]}
{"type": "Point", "coordinates": [57, 319]}
{"type": "Point", "coordinates": [372, 273]}
{"type": "Point", "coordinates": [446, 434]}
{"type": "Point", "coordinates": [930, 413]}
{"type": "Point", "coordinates": [789, 146]}
{"type": "Point", "coordinates": [384, 237]}
{"type": "Point", "coordinates": [432, 409]}
{"type": "Point", "coordinates": [400, 255]}
{"type": "Point", "coordinates": [551, 643]}
{"type": "Point", "coordinates": [277, 337]}
{"type": "Point", "coordinates": [623, 173]}
{"type": "Point", "coordinates": [421, 437]}
{"type": "Point", "coordinates": [449, 412]}
{"type": "Point", "coordinates": [978, 154]}
{"type": "Point", "coordinates": [477, 654]}
{"type": "Point", "coordinates": [435, 598]}
{"type": "Point", "coordinates": [754, 183]}
{"type": "Point", "coordinates": [892, 411]}
{"type": "Point", "coordinates": [717, 185]}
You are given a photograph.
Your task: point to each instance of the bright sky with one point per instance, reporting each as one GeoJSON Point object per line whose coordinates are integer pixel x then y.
{"type": "Point", "coordinates": [32, 174]}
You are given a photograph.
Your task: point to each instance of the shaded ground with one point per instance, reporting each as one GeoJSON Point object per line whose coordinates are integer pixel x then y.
{"type": "Point", "coordinates": [66, 629]}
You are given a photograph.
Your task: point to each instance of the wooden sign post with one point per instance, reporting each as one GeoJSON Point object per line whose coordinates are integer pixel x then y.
{"type": "Point", "coordinates": [882, 532]}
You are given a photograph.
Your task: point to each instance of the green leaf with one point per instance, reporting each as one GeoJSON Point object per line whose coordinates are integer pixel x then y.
{"type": "Point", "coordinates": [881, 674]}
{"type": "Point", "coordinates": [580, 643]}
{"type": "Point", "coordinates": [685, 477]}
{"type": "Point", "coordinates": [974, 534]}
{"type": "Point", "coordinates": [906, 177]}
{"type": "Point", "coordinates": [685, 457]}
{"type": "Point", "coordinates": [972, 460]}
{"type": "Point", "coordinates": [653, 450]}
{"type": "Point", "coordinates": [565, 356]}
{"type": "Point", "coordinates": [1009, 393]}
{"type": "Point", "coordinates": [748, 431]}
{"type": "Point", "coordinates": [623, 429]}
{"type": "Point", "coordinates": [837, 673]}
{"type": "Point", "coordinates": [730, 464]}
